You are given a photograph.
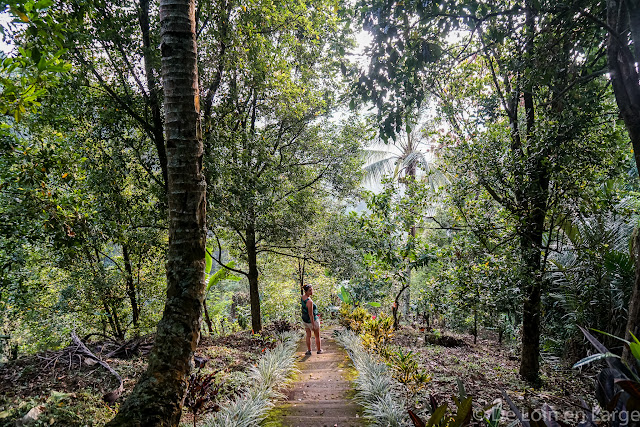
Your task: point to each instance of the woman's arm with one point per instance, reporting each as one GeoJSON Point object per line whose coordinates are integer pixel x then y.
{"type": "Point", "coordinates": [310, 310]}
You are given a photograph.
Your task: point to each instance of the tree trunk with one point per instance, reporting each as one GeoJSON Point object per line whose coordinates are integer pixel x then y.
{"type": "Point", "coordinates": [158, 396]}
{"type": "Point", "coordinates": [626, 88]}
{"type": "Point", "coordinates": [530, 244]}
{"type": "Point", "coordinates": [396, 306]}
{"type": "Point", "coordinates": [254, 291]}
{"type": "Point", "coordinates": [113, 321]}
{"type": "Point", "coordinates": [131, 289]}
{"type": "Point", "coordinates": [207, 319]}
{"type": "Point", "coordinates": [634, 302]}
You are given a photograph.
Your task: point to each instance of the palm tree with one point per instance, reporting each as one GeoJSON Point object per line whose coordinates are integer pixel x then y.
{"type": "Point", "coordinates": [158, 395]}
{"type": "Point", "coordinates": [407, 158]}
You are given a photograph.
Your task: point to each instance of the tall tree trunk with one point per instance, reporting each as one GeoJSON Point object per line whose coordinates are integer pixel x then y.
{"type": "Point", "coordinates": [533, 228]}
{"type": "Point", "coordinates": [254, 291]}
{"type": "Point", "coordinates": [131, 289]}
{"type": "Point", "coordinates": [634, 303]}
{"type": "Point", "coordinates": [158, 396]}
{"type": "Point", "coordinates": [534, 200]}
{"type": "Point", "coordinates": [530, 351]}
{"type": "Point", "coordinates": [623, 17]}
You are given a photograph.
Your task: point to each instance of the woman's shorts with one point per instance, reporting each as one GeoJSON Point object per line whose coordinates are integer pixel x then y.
{"type": "Point", "coordinates": [308, 325]}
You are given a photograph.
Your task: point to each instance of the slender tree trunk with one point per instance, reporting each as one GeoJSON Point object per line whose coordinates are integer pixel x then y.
{"type": "Point", "coordinates": [131, 289]}
{"type": "Point", "coordinates": [207, 319]}
{"type": "Point", "coordinates": [532, 227]}
{"type": "Point", "coordinates": [115, 327]}
{"type": "Point", "coordinates": [254, 291]}
{"type": "Point", "coordinates": [396, 305]}
{"type": "Point", "coordinates": [158, 396]}
{"type": "Point", "coordinates": [118, 325]}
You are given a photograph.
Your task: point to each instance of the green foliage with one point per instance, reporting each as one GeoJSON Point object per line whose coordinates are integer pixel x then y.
{"type": "Point", "coordinates": [272, 371]}
{"type": "Point", "coordinates": [376, 332]}
{"type": "Point", "coordinates": [35, 64]}
{"type": "Point", "coordinates": [406, 370]}
{"type": "Point", "coordinates": [222, 274]}
{"type": "Point", "coordinates": [345, 296]}
{"type": "Point", "coordinates": [618, 385]}
{"type": "Point", "coordinates": [354, 318]}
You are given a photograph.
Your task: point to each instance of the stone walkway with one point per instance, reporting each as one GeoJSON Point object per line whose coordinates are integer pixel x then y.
{"type": "Point", "coordinates": [322, 395]}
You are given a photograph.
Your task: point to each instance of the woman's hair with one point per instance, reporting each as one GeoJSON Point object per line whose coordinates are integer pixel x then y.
{"type": "Point", "coordinates": [307, 287]}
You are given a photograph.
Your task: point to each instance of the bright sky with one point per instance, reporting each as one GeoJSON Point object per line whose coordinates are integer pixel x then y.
{"type": "Point", "coordinates": [5, 18]}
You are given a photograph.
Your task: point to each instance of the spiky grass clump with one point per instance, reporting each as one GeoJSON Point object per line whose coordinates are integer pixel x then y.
{"type": "Point", "coordinates": [272, 371]}
{"type": "Point", "coordinates": [376, 389]}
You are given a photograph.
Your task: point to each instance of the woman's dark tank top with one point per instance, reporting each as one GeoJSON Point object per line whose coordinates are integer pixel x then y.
{"type": "Point", "coordinates": [305, 311]}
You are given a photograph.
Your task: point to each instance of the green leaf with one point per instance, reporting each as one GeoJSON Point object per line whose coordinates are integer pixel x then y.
{"type": "Point", "coordinates": [612, 336]}
{"type": "Point", "coordinates": [42, 4]}
{"type": "Point", "coordinates": [374, 304]}
{"type": "Point", "coordinates": [463, 416]}
{"type": "Point", "coordinates": [219, 276]}
{"type": "Point", "coordinates": [20, 14]}
{"type": "Point", "coordinates": [593, 358]}
{"type": "Point", "coordinates": [437, 416]}
{"type": "Point", "coordinates": [635, 350]}
{"type": "Point", "coordinates": [345, 297]}
{"type": "Point", "coordinates": [208, 261]}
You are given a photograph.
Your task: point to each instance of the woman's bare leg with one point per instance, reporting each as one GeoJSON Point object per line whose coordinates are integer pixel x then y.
{"type": "Point", "coordinates": [308, 331]}
{"type": "Point", "coordinates": [316, 331]}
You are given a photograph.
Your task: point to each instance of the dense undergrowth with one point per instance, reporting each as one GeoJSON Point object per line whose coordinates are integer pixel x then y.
{"type": "Point", "coordinates": [69, 390]}
{"type": "Point", "coordinates": [423, 375]}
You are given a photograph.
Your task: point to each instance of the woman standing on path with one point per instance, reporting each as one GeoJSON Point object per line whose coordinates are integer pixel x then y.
{"type": "Point", "coordinates": [310, 318]}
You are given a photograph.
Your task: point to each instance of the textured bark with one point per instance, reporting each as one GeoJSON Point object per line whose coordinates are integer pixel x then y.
{"type": "Point", "coordinates": [158, 396]}
{"type": "Point", "coordinates": [131, 289]}
{"type": "Point", "coordinates": [254, 291]}
{"type": "Point", "coordinates": [529, 362]}
{"type": "Point", "coordinates": [532, 230]}
{"type": "Point", "coordinates": [623, 21]}
{"type": "Point", "coordinates": [533, 201]}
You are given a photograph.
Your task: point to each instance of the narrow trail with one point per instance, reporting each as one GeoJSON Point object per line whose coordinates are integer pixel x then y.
{"type": "Point", "coordinates": [322, 395]}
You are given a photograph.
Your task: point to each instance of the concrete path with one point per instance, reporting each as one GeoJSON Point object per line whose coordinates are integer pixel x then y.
{"type": "Point", "coordinates": [322, 395]}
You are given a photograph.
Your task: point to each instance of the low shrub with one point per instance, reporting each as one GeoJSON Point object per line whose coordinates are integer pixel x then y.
{"type": "Point", "coordinates": [376, 389]}
{"type": "Point", "coordinates": [273, 371]}
{"type": "Point", "coordinates": [377, 332]}
{"type": "Point", "coordinates": [406, 370]}
{"type": "Point", "coordinates": [353, 318]}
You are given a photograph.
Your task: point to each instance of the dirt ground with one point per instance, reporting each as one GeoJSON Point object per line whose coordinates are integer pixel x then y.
{"type": "Point", "coordinates": [486, 368]}
{"type": "Point", "coordinates": [71, 387]}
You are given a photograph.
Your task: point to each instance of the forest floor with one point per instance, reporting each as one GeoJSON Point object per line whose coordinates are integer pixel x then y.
{"type": "Point", "coordinates": [69, 389]}
{"type": "Point", "coordinates": [486, 368]}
